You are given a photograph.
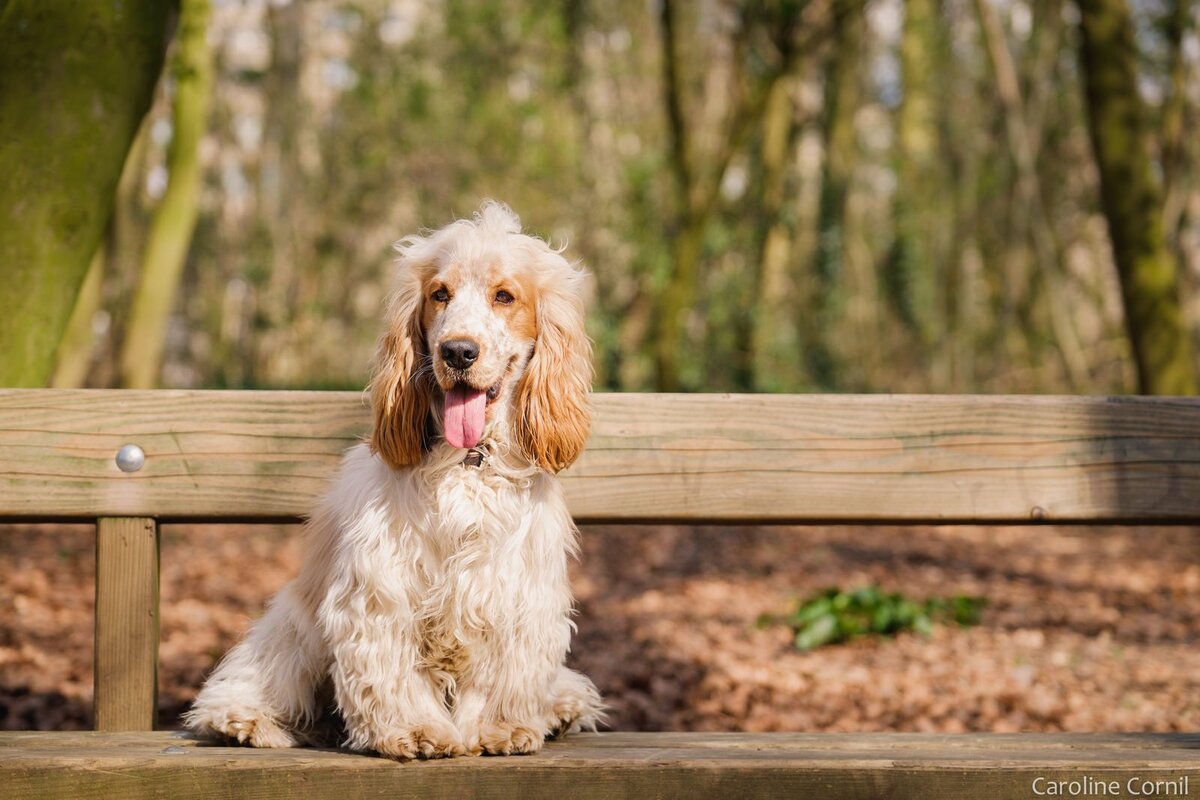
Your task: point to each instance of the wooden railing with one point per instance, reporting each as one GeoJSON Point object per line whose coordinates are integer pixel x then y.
{"type": "Point", "coordinates": [682, 458]}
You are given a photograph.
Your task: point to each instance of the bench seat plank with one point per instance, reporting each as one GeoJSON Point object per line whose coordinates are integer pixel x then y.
{"type": "Point", "coordinates": [607, 765]}
{"type": "Point", "coordinates": [224, 455]}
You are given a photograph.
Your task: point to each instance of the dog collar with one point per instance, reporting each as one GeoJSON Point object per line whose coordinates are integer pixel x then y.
{"type": "Point", "coordinates": [474, 458]}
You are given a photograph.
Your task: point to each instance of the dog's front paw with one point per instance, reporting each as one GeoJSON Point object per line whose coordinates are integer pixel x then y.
{"type": "Point", "coordinates": [242, 725]}
{"type": "Point", "coordinates": [433, 740]}
{"type": "Point", "coordinates": [506, 739]}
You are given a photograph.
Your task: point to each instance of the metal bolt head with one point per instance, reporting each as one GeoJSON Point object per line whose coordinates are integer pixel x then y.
{"type": "Point", "coordinates": [130, 458]}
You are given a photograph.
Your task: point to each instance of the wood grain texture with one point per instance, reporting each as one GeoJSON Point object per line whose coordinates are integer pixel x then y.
{"type": "Point", "coordinates": [607, 765]}
{"type": "Point", "coordinates": [766, 458]}
{"type": "Point", "coordinates": [126, 656]}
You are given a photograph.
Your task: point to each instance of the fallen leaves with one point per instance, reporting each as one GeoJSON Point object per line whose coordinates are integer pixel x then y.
{"type": "Point", "coordinates": [1085, 628]}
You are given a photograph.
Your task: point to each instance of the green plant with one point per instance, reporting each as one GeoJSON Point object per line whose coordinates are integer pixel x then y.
{"type": "Point", "coordinates": [836, 615]}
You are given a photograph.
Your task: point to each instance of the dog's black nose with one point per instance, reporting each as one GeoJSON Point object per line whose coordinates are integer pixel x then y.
{"type": "Point", "coordinates": [460, 353]}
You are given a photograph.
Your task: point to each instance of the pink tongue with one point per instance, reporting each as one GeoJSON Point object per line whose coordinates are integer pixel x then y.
{"type": "Point", "coordinates": [464, 416]}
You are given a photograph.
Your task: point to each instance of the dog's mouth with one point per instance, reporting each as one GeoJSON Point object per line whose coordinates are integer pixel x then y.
{"type": "Point", "coordinates": [465, 412]}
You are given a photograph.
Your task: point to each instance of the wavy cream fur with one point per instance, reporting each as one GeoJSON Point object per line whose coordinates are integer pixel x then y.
{"type": "Point", "coordinates": [433, 606]}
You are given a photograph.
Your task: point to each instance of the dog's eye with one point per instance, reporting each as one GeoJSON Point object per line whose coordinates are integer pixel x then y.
{"type": "Point", "coordinates": [441, 295]}
{"type": "Point", "coordinates": [503, 297]}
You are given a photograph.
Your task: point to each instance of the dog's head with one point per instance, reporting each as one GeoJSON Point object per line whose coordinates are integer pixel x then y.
{"type": "Point", "coordinates": [484, 339]}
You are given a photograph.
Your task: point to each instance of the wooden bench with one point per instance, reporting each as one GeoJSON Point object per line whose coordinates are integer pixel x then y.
{"type": "Point", "coordinates": [265, 456]}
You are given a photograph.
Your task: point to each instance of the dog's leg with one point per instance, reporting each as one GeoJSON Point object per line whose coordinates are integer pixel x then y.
{"type": "Point", "coordinates": [518, 720]}
{"type": "Point", "coordinates": [389, 703]}
{"type": "Point", "coordinates": [511, 716]}
{"type": "Point", "coordinates": [263, 691]}
{"type": "Point", "coordinates": [506, 702]}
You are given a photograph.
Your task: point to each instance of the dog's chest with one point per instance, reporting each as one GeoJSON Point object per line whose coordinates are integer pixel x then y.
{"type": "Point", "coordinates": [475, 553]}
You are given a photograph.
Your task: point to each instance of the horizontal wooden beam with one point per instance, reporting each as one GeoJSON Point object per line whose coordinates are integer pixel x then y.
{"type": "Point", "coordinates": [208, 454]}
{"type": "Point", "coordinates": [689, 458]}
{"type": "Point", "coordinates": [615, 765]}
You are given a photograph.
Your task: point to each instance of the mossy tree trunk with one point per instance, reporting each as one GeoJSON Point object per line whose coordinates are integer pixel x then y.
{"type": "Point", "coordinates": [75, 81]}
{"type": "Point", "coordinates": [175, 218]}
{"type": "Point", "coordinates": [75, 363]}
{"type": "Point", "coordinates": [679, 292]}
{"type": "Point", "coordinates": [842, 97]}
{"type": "Point", "coordinates": [913, 266]}
{"type": "Point", "coordinates": [1131, 200]}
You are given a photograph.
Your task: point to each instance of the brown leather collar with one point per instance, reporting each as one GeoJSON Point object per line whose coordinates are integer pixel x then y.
{"type": "Point", "coordinates": [475, 457]}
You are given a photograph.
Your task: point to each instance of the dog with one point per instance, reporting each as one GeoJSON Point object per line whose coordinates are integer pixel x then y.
{"type": "Point", "coordinates": [433, 609]}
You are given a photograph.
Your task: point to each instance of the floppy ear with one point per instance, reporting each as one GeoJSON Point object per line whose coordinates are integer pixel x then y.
{"type": "Point", "coordinates": [553, 406]}
{"type": "Point", "coordinates": [401, 389]}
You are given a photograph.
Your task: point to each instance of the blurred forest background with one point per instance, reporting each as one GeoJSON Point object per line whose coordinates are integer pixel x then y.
{"type": "Point", "coordinates": [788, 195]}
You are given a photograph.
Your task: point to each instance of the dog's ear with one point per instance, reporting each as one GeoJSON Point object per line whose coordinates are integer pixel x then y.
{"type": "Point", "coordinates": [401, 386]}
{"type": "Point", "coordinates": [553, 404]}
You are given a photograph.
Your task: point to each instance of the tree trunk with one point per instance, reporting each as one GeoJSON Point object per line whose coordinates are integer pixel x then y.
{"type": "Point", "coordinates": [1035, 217]}
{"type": "Point", "coordinates": [677, 295]}
{"type": "Point", "coordinates": [284, 202]}
{"type": "Point", "coordinates": [175, 218]}
{"type": "Point", "coordinates": [842, 97]}
{"type": "Point", "coordinates": [76, 362]}
{"type": "Point", "coordinates": [696, 190]}
{"type": "Point", "coordinates": [74, 358]}
{"type": "Point", "coordinates": [1174, 117]}
{"type": "Point", "coordinates": [764, 340]}
{"type": "Point", "coordinates": [1131, 201]}
{"type": "Point", "coordinates": [911, 279]}
{"type": "Point", "coordinates": [75, 81]}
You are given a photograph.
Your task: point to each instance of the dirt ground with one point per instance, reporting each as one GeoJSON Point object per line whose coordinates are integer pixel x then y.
{"type": "Point", "coordinates": [1085, 629]}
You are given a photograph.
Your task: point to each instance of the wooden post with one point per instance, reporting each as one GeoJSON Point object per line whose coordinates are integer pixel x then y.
{"type": "Point", "coordinates": [126, 657]}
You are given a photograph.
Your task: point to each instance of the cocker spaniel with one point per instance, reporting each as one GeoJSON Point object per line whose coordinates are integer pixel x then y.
{"type": "Point", "coordinates": [433, 609]}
